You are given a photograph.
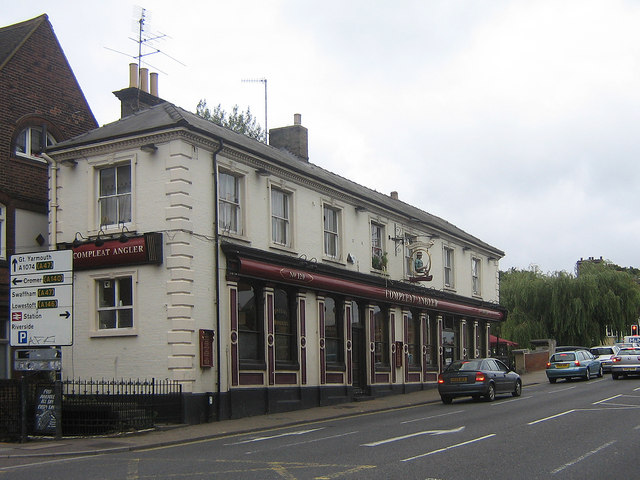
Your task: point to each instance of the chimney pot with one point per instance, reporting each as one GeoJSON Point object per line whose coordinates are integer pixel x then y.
{"type": "Point", "coordinates": [144, 79]}
{"type": "Point", "coordinates": [394, 195]}
{"type": "Point", "coordinates": [154, 84]}
{"type": "Point", "coordinates": [133, 75]}
{"type": "Point", "coordinates": [297, 119]}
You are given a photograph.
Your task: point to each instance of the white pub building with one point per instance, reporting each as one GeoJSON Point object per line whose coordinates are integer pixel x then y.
{"type": "Point", "coordinates": [251, 275]}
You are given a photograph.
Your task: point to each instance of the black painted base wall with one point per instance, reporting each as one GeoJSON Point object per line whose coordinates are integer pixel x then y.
{"type": "Point", "coordinates": [239, 403]}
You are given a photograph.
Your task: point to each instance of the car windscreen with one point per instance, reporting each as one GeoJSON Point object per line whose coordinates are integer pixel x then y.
{"type": "Point", "coordinates": [630, 351]}
{"type": "Point", "coordinates": [563, 357]}
{"type": "Point", "coordinates": [602, 351]}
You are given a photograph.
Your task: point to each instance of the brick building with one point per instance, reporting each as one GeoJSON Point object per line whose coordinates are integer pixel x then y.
{"type": "Point", "coordinates": [41, 103]}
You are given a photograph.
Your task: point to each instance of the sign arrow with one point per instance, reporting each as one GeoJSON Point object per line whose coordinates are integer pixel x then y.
{"type": "Point", "coordinates": [66, 314]}
{"type": "Point", "coordinates": [15, 281]}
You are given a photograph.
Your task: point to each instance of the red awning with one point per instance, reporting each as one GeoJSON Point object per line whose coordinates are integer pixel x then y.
{"type": "Point", "coordinates": [493, 340]}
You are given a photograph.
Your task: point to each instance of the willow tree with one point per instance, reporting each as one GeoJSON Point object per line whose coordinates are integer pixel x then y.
{"type": "Point", "coordinates": [574, 310]}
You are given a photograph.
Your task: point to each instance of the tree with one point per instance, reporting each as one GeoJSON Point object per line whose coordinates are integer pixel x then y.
{"type": "Point", "coordinates": [572, 310]}
{"type": "Point", "coordinates": [240, 122]}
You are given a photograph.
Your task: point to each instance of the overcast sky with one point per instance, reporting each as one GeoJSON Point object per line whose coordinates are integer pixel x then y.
{"type": "Point", "coordinates": [517, 121]}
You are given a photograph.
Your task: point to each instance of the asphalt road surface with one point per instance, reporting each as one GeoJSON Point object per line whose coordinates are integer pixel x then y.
{"type": "Point", "coordinates": [568, 430]}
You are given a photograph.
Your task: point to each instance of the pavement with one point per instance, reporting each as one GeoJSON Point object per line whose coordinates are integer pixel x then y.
{"type": "Point", "coordinates": [174, 435]}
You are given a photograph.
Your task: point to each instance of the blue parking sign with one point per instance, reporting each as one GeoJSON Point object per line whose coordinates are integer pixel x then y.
{"type": "Point", "coordinates": [22, 336]}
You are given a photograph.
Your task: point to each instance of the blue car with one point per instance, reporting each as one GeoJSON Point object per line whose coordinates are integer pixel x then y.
{"type": "Point", "coordinates": [573, 364]}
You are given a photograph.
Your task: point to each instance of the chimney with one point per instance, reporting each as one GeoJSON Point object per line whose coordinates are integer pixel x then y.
{"type": "Point", "coordinates": [137, 97]}
{"type": "Point", "coordinates": [394, 195]}
{"type": "Point", "coordinates": [294, 138]}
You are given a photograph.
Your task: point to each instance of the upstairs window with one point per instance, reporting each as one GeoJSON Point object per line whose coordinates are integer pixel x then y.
{"type": "Point", "coordinates": [229, 197]}
{"type": "Point", "coordinates": [475, 275]}
{"type": "Point", "coordinates": [378, 257]}
{"type": "Point", "coordinates": [280, 217]}
{"type": "Point", "coordinates": [32, 141]}
{"type": "Point", "coordinates": [114, 200]}
{"type": "Point", "coordinates": [448, 268]}
{"type": "Point", "coordinates": [331, 233]}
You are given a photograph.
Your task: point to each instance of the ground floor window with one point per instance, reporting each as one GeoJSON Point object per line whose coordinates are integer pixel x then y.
{"type": "Point", "coordinates": [285, 327]}
{"type": "Point", "coordinates": [381, 337]}
{"type": "Point", "coordinates": [333, 331]}
{"type": "Point", "coordinates": [115, 303]}
{"type": "Point", "coordinates": [250, 323]}
{"type": "Point", "coordinates": [413, 341]}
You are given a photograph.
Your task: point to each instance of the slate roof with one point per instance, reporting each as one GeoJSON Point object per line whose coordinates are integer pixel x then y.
{"type": "Point", "coordinates": [13, 37]}
{"type": "Point", "coordinates": [169, 116]}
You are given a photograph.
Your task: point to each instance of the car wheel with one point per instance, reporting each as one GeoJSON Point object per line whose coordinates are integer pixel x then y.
{"type": "Point", "coordinates": [587, 374]}
{"type": "Point", "coordinates": [614, 376]}
{"type": "Point", "coordinates": [491, 393]}
{"type": "Point", "coordinates": [600, 372]}
{"type": "Point", "coordinates": [518, 390]}
{"type": "Point", "coordinates": [446, 399]}
{"type": "Point", "coordinates": [552, 380]}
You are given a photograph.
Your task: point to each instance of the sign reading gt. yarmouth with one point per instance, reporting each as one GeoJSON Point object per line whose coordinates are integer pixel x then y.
{"type": "Point", "coordinates": [42, 298]}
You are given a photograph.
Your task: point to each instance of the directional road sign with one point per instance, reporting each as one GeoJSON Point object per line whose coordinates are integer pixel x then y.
{"type": "Point", "coordinates": [42, 298]}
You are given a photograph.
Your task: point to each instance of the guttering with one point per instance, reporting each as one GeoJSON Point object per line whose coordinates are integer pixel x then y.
{"type": "Point", "coordinates": [53, 201]}
{"type": "Point", "coordinates": [217, 272]}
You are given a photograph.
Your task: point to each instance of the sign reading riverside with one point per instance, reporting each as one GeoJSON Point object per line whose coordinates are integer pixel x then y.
{"type": "Point", "coordinates": [42, 298]}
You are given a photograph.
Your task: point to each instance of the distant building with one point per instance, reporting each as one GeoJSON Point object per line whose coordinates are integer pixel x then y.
{"type": "Point", "coordinates": [41, 103]}
{"type": "Point", "coordinates": [243, 270]}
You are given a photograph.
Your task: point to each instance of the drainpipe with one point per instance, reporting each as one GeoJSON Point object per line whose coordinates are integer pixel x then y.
{"type": "Point", "coordinates": [217, 268]}
{"type": "Point", "coordinates": [53, 234]}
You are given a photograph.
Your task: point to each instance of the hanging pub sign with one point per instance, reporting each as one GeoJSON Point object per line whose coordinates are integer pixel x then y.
{"type": "Point", "coordinates": [125, 250]}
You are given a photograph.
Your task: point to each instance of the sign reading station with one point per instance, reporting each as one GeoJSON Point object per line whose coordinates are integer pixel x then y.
{"type": "Point", "coordinates": [42, 298]}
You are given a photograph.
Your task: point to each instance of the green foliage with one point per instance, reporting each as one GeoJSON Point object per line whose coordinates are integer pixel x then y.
{"type": "Point", "coordinates": [240, 122]}
{"type": "Point", "coordinates": [572, 310]}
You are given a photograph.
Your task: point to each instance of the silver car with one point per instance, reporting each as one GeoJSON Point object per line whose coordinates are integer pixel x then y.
{"type": "Point", "coordinates": [626, 362]}
{"type": "Point", "coordinates": [605, 353]}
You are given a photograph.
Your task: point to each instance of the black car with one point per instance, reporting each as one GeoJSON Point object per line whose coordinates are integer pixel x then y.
{"type": "Point", "coordinates": [480, 377]}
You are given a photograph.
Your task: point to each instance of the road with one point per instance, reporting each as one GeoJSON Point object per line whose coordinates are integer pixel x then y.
{"type": "Point", "coordinates": [564, 431]}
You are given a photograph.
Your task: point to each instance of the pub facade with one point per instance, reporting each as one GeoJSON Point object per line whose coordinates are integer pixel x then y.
{"type": "Point", "coordinates": [259, 280]}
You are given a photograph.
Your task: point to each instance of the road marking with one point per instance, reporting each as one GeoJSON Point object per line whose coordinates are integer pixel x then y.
{"type": "Point", "coordinates": [560, 390]}
{"type": "Point", "coordinates": [320, 439]}
{"type": "Point", "coordinates": [582, 457]}
{"type": "Point", "coordinates": [610, 398]}
{"type": "Point", "coordinates": [497, 404]}
{"type": "Point", "coordinates": [551, 417]}
{"type": "Point", "coordinates": [432, 416]}
{"type": "Point", "coordinates": [411, 435]}
{"type": "Point", "coordinates": [271, 437]}
{"type": "Point", "coordinates": [132, 469]}
{"type": "Point", "coordinates": [449, 447]}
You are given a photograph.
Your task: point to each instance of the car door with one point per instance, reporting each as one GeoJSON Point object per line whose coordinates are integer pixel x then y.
{"type": "Point", "coordinates": [506, 379]}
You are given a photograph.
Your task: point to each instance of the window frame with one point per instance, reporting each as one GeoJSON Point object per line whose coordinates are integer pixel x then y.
{"type": "Point", "coordinates": [291, 362]}
{"type": "Point", "coordinates": [448, 267]}
{"type": "Point", "coordinates": [381, 339]}
{"type": "Point", "coordinates": [414, 344]}
{"type": "Point", "coordinates": [96, 331]}
{"type": "Point", "coordinates": [285, 218]}
{"type": "Point", "coordinates": [234, 205]}
{"type": "Point", "coordinates": [99, 169]}
{"type": "Point", "coordinates": [257, 362]}
{"type": "Point", "coordinates": [476, 284]}
{"type": "Point", "coordinates": [332, 235]}
{"type": "Point", "coordinates": [338, 339]}
{"type": "Point", "coordinates": [27, 131]}
{"type": "Point", "coordinates": [378, 259]}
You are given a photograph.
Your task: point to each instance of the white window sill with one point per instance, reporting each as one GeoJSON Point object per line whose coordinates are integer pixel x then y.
{"type": "Point", "coordinates": [114, 332]}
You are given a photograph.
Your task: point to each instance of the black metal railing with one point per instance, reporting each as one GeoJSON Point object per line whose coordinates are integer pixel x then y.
{"type": "Point", "coordinates": [87, 407]}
